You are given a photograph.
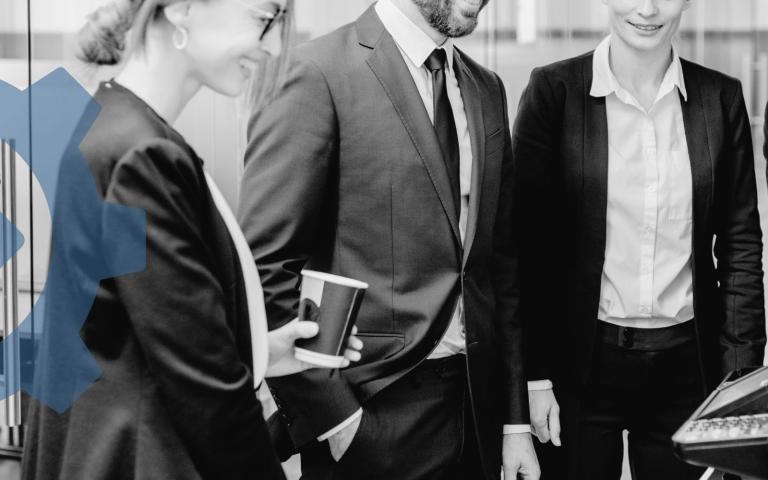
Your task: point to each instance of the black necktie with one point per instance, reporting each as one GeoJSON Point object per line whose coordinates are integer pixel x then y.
{"type": "Point", "coordinates": [445, 126]}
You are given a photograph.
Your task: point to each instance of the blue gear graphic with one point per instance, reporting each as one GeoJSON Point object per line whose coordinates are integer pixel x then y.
{"type": "Point", "coordinates": [91, 240]}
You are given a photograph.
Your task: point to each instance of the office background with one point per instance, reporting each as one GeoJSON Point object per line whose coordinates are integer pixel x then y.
{"type": "Point", "coordinates": [514, 36]}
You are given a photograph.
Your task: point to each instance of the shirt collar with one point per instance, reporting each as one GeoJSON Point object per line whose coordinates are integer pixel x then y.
{"type": "Point", "coordinates": [412, 40]}
{"type": "Point", "coordinates": [605, 83]}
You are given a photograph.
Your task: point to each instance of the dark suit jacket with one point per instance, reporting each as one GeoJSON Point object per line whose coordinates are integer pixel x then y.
{"type": "Point", "coordinates": [175, 398]}
{"type": "Point", "coordinates": [560, 144]}
{"type": "Point", "coordinates": [344, 174]}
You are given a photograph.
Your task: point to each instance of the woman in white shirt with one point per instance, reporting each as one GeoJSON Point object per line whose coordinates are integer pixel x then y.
{"type": "Point", "coordinates": [631, 163]}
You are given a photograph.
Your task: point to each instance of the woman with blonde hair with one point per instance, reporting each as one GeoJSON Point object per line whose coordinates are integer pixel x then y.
{"type": "Point", "coordinates": [182, 345]}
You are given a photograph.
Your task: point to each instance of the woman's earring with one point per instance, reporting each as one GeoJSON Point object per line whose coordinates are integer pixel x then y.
{"type": "Point", "coordinates": [180, 38]}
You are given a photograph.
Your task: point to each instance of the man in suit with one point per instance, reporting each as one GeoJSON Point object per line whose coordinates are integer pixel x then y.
{"type": "Point", "coordinates": [386, 158]}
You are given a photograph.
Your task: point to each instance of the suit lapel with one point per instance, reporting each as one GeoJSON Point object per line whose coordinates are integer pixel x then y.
{"type": "Point", "coordinates": [473, 107]}
{"type": "Point", "coordinates": [697, 139]}
{"type": "Point", "coordinates": [388, 65]}
{"type": "Point", "coordinates": [595, 178]}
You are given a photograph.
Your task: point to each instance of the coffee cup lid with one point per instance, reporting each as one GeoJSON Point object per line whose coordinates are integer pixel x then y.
{"type": "Point", "coordinates": [330, 278]}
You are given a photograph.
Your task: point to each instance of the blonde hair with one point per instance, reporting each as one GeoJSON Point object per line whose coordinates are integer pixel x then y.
{"type": "Point", "coordinates": [121, 26]}
{"type": "Point", "coordinates": [102, 41]}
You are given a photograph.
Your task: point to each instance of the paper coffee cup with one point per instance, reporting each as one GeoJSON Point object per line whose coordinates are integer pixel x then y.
{"type": "Point", "coordinates": [332, 302]}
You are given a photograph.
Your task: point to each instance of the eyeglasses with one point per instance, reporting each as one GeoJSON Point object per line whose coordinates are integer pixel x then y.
{"type": "Point", "coordinates": [270, 19]}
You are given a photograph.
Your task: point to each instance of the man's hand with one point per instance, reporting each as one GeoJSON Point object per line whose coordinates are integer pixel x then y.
{"type": "Point", "coordinates": [545, 416]}
{"type": "Point", "coordinates": [339, 442]}
{"type": "Point", "coordinates": [519, 457]}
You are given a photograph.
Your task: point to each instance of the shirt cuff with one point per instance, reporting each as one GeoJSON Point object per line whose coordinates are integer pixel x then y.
{"type": "Point", "coordinates": [340, 426]}
{"type": "Point", "coordinates": [537, 385]}
{"type": "Point", "coordinates": [509, 429]}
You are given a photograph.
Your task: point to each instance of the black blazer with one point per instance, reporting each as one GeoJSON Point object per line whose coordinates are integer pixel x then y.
{"type": "Point", "coordinates": [175, 398]}
{"type": "Point", "coordinates": [560, 144]}
{"type": "Point", "coordinates": [344, 174]}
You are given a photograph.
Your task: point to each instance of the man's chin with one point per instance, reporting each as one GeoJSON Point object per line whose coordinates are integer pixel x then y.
{"type": "Point", "coordinates": [461, 27]}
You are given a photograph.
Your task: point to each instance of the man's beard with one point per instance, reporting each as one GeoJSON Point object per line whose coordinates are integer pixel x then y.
{"type": "Point", "coordinates": [440, 15]}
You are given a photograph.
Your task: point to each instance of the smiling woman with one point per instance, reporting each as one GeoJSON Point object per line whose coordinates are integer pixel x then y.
{"type": "Point", "coordinates": [221, 58]}
{"type": "Point", "coordinates": [650, 26]}
{"type": "Point", "coordinates": [182, 344]}
{"type": "Point", "coordinates": [642, 31]}
{"type": "Point", "coordinates": [641, 176]}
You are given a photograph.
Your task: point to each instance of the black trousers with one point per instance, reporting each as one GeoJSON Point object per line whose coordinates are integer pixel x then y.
{"type": "Point", "coordinates": [647, 388]}
{"type": "Point", "coordinates": [418, 428]}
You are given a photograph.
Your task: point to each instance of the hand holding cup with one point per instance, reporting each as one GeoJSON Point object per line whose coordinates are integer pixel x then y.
{"type": "Point", "coordinates": [282, 360]}
{"type": "Point", "coordinates": [332, 303]}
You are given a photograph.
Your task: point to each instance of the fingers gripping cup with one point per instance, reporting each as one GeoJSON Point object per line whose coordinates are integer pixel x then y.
{"type": "Point", "coordinates": [332, 302]}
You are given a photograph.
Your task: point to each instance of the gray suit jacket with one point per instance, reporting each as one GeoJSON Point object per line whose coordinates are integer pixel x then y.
{"type": "Point", "coordinates": [344, 174]}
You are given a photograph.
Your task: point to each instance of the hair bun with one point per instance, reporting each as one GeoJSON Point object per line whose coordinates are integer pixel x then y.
{"type": "Point", "coordinates": [102, 39]}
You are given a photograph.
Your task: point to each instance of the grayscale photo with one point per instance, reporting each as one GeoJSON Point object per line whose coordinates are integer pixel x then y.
{"type": "Point", "coordinates": [383, 239]}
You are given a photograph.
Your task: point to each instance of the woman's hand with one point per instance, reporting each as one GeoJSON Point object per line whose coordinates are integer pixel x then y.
{"type": "Point", "coordinates": [545, 416]}
{"type": "Point", "coordinates": [281, 343]}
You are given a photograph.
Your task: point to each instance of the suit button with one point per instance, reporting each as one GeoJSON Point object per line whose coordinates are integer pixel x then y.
{"type": "Point", "coordinates": [464, 274]}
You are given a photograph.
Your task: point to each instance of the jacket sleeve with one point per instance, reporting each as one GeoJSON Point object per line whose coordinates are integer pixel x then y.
{"type": "Point", "coordinates": [534, 149]}
{"type": "Point", "coordinates": [738, 246]}
{"type": "Point", "coordinates": [287, 205]}
{"type": "Point", "coordinates": [507, 292]}
{"type": "Point", "coordinates": [176, 309]}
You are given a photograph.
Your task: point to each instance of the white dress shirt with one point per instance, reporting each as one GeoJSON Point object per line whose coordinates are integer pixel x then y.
{"type": "Point", "coordinates": [647, 279]}
{"type": "Point", "coordinates": [416, 46]}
